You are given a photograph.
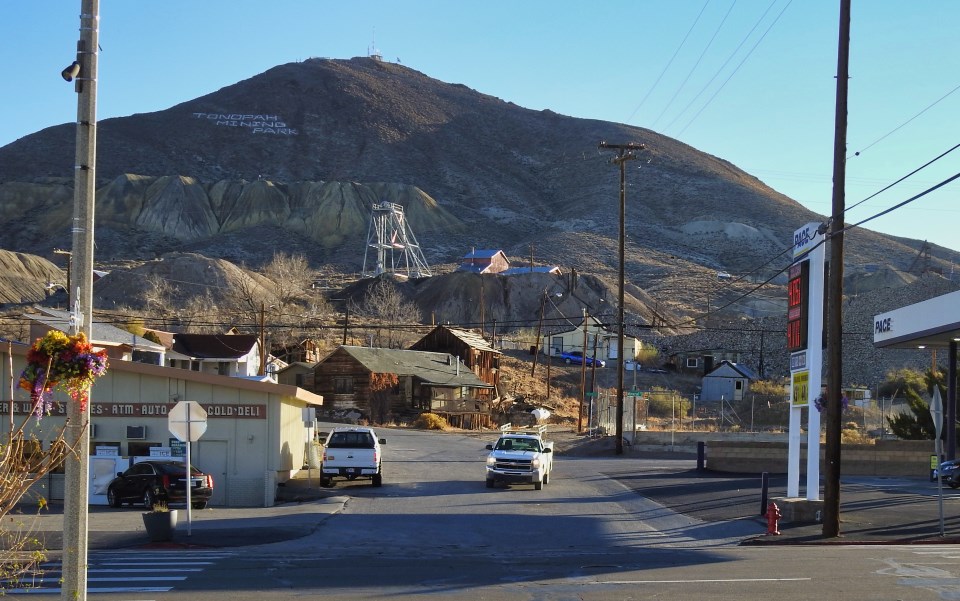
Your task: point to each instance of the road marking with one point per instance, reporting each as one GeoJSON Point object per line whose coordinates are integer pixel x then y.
{"type": "Point", "coordinates": [702, 581]}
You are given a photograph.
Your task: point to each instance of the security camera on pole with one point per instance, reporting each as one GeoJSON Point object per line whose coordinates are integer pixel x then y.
{"type": "Point", "coordinates": [187, 421]}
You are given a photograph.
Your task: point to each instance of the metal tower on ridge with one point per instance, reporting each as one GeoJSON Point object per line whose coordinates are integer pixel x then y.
{"type": "Point", "coordinates": [395, 247]}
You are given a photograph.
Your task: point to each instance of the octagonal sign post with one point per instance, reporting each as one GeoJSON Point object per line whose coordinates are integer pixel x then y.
{"type": "Point", "coordinates": [187, 421]}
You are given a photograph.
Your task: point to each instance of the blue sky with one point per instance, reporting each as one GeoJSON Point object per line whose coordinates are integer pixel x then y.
{"type": "Point", "coordinates": [750, 81]}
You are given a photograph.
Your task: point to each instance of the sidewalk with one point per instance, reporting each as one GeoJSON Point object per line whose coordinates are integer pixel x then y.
{"type": "Point", "coordinates": [873, 510]}
{"type": "Point", "coordinates": [109, 528]}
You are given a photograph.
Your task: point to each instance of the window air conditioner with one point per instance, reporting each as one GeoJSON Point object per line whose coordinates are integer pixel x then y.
{"type": "Point", "coordinates": [136, 432]}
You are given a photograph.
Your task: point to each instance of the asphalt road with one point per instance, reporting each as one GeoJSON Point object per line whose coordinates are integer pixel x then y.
{"type": "Point", "coordinates": [604, 528]}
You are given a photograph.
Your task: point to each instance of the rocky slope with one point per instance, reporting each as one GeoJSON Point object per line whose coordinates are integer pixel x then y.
{"type": "Point", "coordinates": [296, 156]}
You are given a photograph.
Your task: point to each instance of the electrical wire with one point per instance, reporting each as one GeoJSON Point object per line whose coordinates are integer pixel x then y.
{"type": "Point", "coordinates": [695, 65]}
{"type": "Point", "coordinates": [884, 136]}
{"type": "Point", "coordinates": [918, 169]}
{"type": "Point", "coordinates": [723, 66]}
{"type": "Point", "coordinates": [737, 68]}
{"type": "Point", "coordinates": [670, 62]}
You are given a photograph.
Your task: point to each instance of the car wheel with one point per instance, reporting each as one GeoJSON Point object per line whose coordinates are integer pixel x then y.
{"type": "Point", "coordinates": [326, 482]}
{"type": "Point", "coordinates": [199, 505]}
{"type": "Point", "coordinates": [546, 478]}
{"type": "Point", "coordinates": [113, 498]}
{"type": "Point", "coordinates": [378, 479]}
{"type": "Point", "coordinates": [490, 482]}
{"type": "Point", "coordinates": [538, 485]}
{"type": "Point", "coordinates": [953, 484]}
{"type": "Point", "coordinates": [149, 499]}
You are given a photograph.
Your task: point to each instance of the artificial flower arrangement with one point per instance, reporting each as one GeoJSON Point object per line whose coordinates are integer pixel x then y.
{"type": "Point", "coordinates": [65, 362]}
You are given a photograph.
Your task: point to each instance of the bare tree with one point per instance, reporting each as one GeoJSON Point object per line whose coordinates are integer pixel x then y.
{"type": "Point", "coordinates": [385, 305]}
{"type": "Point", "coordinates": [159, 296]}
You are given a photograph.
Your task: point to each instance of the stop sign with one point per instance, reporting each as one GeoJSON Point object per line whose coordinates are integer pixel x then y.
{"type": "Point", "coordinates": [187, 421]}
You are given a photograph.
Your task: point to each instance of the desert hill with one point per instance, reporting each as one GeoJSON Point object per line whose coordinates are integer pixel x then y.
{"type": "Point", "coordinates": [296, 156]}
{"type": "Point", "coordinates": [293, 159]}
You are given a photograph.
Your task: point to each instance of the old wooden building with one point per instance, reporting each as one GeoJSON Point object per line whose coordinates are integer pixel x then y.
{"type": "Point", "coordinates": [470, 347]}
{"type": "Point", "coordinates": [424, 381]}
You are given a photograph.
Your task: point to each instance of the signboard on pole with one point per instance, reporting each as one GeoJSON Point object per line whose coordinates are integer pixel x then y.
{"type": "Point", "coordinates": [187, 421]}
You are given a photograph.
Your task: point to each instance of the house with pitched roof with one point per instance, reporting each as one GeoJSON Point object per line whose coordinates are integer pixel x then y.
{"type": "Point", "coordinates": [728, 381]}
{"type": "Point", "coordinates": [425, 381]}
{"type": "Point", "coordinates": [470, 347]}
{"type": "Point", "coordinates": [484, 261]}
{"type": "Point", "coordinates": [119, 344]}
{"type": "Point", "coordinates": [600, 342]}
{"type": "Point", "coordinates": [236, 355]}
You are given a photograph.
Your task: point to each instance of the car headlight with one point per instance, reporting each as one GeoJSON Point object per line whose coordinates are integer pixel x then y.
{"type": "Point", "coordinates": [536, 464]}
{"type": "Point", "coordinates": [491, 460]}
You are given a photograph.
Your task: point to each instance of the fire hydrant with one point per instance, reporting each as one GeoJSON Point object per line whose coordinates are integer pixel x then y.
{"type": "Point", "coordinates": [773, 518]}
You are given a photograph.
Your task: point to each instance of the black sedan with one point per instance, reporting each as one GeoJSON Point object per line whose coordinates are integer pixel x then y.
{"type": "Point", "coordinates": [164, 481]}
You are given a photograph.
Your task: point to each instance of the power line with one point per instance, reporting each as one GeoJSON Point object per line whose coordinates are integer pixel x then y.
{"type": "Point", "coordinates": [723, 66]}
{"type": "Point", "coordinates": [670, 62]}
{"type": "Point", "coordinates": [884, 136]}
{"type": "Point", "coordinates": [737, 68]}
{"type": "Point", "coordinates": [695, 65]}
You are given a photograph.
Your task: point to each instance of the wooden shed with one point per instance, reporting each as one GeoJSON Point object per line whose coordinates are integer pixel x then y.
{"type": "Point", "coordinates": [425, 381]}
{"type": "Point", "coordinates": [470, 347]}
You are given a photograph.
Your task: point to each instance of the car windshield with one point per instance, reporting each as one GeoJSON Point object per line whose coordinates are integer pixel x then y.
{"type": "Point", "coordinates": [350, 440]}
{"type": "Point", "coordinates": [518, 444]}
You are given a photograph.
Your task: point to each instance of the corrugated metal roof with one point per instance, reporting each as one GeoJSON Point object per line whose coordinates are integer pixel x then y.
{"type": "Point", "coordinates": [482, 254]}
{"type": "Point", "coordinates": [473, 339]}
{"type": "Point", "coordinates": [434, 368]}
{"type": "Point", "coordinates": [100, 333]}
{"type": "Point", "coordinates": [536, 269]}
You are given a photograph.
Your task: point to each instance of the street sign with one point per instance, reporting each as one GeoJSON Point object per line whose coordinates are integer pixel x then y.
{"type": "Point", "coordinates": [187, 421]}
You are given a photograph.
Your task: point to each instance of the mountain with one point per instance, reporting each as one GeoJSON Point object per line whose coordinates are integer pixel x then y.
{"type": "Point", "coordinates": [294, 158]}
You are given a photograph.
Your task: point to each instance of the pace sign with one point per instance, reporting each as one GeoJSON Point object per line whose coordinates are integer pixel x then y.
{"type": "Point", "coordinates": [798, 295]}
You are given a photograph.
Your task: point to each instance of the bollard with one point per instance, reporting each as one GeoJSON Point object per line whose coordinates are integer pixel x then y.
{"type": "Point", "coordinates": [764, 488]}
{"type": "Point", "coordinates": [701, 455]}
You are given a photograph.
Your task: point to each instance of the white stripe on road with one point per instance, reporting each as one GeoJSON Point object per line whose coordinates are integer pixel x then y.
{"type": "Point", "coordinates": [704, 581]}
{"type": "Point", "coordinates": [56, 591]}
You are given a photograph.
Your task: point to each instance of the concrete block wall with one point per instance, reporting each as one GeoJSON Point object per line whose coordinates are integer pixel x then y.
{"type": "Point", "coordinates": [905, 458]}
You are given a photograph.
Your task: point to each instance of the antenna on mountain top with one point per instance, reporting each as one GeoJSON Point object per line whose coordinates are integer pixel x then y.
{"type": "Point", "coordinates": [372, 51]}
{"type": "Point", "coordinates": [392, 241]}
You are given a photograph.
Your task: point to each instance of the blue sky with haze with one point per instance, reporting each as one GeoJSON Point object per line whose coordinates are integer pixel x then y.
{"type": "Point", "coordinates": [750, 81]}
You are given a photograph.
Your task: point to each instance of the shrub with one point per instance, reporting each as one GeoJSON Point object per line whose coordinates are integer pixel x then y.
{"type": "Point", "coordinates": [430, 421]}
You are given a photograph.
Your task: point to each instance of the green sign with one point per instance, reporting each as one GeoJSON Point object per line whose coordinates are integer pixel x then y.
{"type": "Point", "coordinates": [178, 448]}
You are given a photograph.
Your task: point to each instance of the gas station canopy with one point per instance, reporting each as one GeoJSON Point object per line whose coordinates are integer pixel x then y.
{"type": "Point", "coordinates": [933, 323]}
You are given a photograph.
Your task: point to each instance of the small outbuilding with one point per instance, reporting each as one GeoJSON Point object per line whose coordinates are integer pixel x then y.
{"type": "Point", "coordinates": [728, 381]}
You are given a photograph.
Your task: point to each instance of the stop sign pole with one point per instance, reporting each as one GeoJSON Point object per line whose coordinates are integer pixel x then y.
{"type": "Point", "coordinates": [188, 421]}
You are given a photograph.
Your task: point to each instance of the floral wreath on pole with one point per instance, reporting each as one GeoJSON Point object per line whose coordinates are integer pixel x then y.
{"type": "Point", "coordinates": [65, 362]}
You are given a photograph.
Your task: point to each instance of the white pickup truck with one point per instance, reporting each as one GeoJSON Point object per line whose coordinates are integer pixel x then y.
{"type": "Point", "coordinates": [352, 453]}
{"type": "Point", "coordinates": [520, 455]}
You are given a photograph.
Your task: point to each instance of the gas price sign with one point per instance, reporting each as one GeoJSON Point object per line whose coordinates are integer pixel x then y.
{"type": "Point", "coordinates": [798, 295]}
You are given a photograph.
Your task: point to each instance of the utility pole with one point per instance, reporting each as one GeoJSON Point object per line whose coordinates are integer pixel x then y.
{"type": "Point", "coordinates": [76, 430]}
{"type": "Point", "coordinates": [346, 323]}
{"type": "Point", "coordinates": [625, 152]}
{"type": "Point", "coordinates": [536, 348]}
{"type": "Point", "coordinates": [263, 343]}
{"type": "Point", "coordinates": [831, 491]}
{"type": "Point", "coordinates": [583, 374]}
